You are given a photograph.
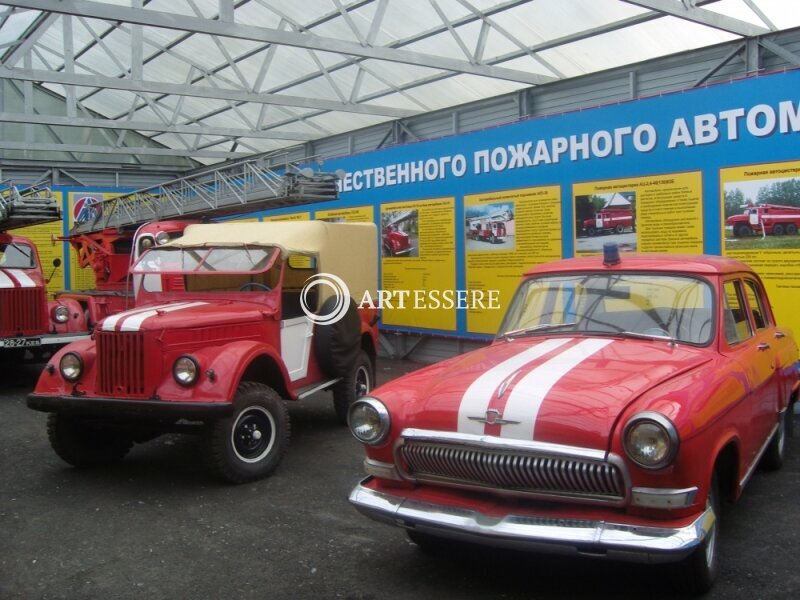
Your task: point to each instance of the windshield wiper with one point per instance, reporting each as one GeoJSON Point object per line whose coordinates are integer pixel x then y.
{"type": "Point", "coordinates": [649, 336]}
{"type": "Point", "coordinates": [22, 250]}
{"type": "Point", "coordinates": [535, 329]}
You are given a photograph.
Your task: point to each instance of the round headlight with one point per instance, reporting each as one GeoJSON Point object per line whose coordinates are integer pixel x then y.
{"type": "Point", "coordinates": [146, 243]}
{"type": "Point", "coordinates": [61, 314]}
{"type": "Point", "coordinates": [369, 420]}
{"type": "Point", "coordinates": [185, 370]}
{"type": "Point", "coordinates": [162, 237]}
{"type": "Point", "coordinates": [650, 440]}
{"type": "Point", "coordinates": [71, 366]}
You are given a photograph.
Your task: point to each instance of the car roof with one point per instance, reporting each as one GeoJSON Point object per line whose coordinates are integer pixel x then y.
{"type": "Point", "coordinates": [698, 264]}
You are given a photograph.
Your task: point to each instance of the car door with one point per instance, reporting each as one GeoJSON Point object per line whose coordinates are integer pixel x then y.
{"type": "Point", "coordinates": [750, 346]}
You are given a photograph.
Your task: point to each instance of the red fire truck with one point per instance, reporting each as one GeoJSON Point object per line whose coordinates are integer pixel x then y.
{"type": "Point", "coordinates": [30, 325]}
{"type": "Point", "coordinates": [486, 229]}
{"type": "Point", "coordinates": [769, 219]}
{"type": "Point", "coordinates": [611, 219]}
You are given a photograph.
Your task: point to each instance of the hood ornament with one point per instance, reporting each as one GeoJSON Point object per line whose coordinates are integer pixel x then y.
{"type": "Point", "coordinates": [493, 417]}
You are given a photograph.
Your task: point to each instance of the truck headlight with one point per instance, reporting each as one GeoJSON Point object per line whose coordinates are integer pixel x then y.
{"type": "Point", "coordinates": [71, 366]}
{"type": "Point", "coordinates": [162, 237]}
{"type": "Point", "coordinates": [369, 420]}
{"type": "Point", "coordinates": [185, 370]}
{"type": "Point", "coordinates": [61, 314]}
{"type": "Point", "coordinates": [651, 440]}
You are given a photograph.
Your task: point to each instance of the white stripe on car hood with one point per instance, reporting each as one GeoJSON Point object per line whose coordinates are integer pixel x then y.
{"type": "Point", "coordinates": [23, 278]}
{"type": "Point", "coordinates": [529, 393]}
{"type": "Point", "coordinates": [479, 394]}
{"type": "Point", "coordinates": [6, 281]}
{"type": "Point", "coordinates": [132, 320]}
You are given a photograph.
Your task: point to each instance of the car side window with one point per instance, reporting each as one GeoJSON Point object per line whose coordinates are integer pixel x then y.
{"type": "Point", "coordinates": [755, 298]}
{"type": "Point", "coordinates": [736, 321]}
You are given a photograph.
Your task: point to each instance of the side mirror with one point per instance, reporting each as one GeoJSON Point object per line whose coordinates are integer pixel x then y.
{"type": "Point", "coordinates": [56, 262]}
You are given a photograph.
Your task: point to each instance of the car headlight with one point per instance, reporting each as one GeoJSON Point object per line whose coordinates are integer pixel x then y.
{"type": "Point", "coordinates": [651, 440]}
{"type": "Point", "coordinates": [61, 314]}
{"type": "Point", "coordinates": [369, 420]}
{"type": "Point", "coordinates": [71, 366]}
{"type": "Point", "coordinates": [162, 237]}
{"type": "Point", "coordinates": [185, 370]}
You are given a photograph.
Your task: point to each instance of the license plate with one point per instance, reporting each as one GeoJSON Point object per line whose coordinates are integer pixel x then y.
{"type": "Point", "coordinates": [20, 342]}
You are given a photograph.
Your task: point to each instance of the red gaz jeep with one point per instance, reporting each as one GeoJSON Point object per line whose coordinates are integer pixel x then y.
{"type": "Point", "coordinates": [226, 327]}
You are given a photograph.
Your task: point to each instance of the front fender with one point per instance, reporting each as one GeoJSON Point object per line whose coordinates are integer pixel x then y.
{"type": "Point", "coordinates": [221, 371]}
{"type": "Point", "coordinates": [76, 323]}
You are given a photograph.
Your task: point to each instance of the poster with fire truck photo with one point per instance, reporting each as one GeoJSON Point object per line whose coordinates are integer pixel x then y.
{"type": "Point", "coordinates": [489, 227]}
{"type": "Point", "coordinates": [606, 217]}
{"type": "Point", "coordinates": [761, 214]}
{"type": "Point", "coordinates": [400, 233]}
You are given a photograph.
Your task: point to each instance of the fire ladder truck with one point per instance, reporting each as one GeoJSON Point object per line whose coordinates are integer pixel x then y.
{"type": "Point", "coordinates": [109, 235]}
{"type": "Point", "coordinates": [27, 320]}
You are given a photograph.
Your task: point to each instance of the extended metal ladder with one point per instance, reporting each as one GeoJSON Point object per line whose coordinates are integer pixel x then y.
{"type": "Point", "coordinates": [21, 207]}
{"type": "Point", "coordinates": [242, 187]}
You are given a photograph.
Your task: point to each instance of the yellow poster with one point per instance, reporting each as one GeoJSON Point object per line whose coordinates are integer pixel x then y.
{"type": "Point", "coordinates": [418, 254]}
{"type": "Point", "coordinates": [760, 207]}
{"type": "Point", "coordinates": [44, 237]}
{"type": "Point", "coordinates": [304, 216]}
{"type": "Point", "coordinates": [506, 233]}
{"type": "Point", "coordinates": [359, 214]}
{"type": "Point", "coordinates": [659, 213]}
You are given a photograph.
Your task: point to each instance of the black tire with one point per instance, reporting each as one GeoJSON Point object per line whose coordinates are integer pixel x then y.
{"type": "Point", "coordinates": [741, 231]}
{"type": "Point", "coordinates": [82, 443]}
{"type": "Point", "coordinates": [337, 345]}
{"type": "Point", "coordinates": [619, 229]}
{"type": "Point", "coordinates": [591, 231]}
{"type": "Point", "coordinates": [778, 229]}
{"type": "Point", "coordinates": [699, 570]}
{"type": "Point", "coordinates": [791, 229]}
{"type": "Point", "coordinates": [357, 383]}
{"type": "Point", "coordinates": [774, 455]}
{"type": "Point", "coordinates": [249, 444]}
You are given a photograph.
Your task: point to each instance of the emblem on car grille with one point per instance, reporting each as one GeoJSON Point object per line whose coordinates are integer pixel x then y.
{"type": "Point", "coordinates": [493, 417]}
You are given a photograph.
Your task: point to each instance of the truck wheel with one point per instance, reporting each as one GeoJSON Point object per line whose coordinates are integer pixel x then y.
{"type": "Point", "coordinates": [591, 231]}
{"type": "Point", "coordinates": [699, 569]}
{"type": "Point", "coordinates": [84, 444]}
{"type": "Point", "coordinates": [741, 231]}
{"type": "Point", "coordinates": [776, 451]}
{"type": "Point", "coordinates": [778, 229]}
{"type": "Point", "coordinates": [619, 229]}
{"type": "Point", "coordinates": [357, 383]}
{"type": "Point", "coordinates": [336, 345]}
{"type": "Point", "coordinates": [249, 444]}
{"type": "Point", "coordinates": [791, 229]}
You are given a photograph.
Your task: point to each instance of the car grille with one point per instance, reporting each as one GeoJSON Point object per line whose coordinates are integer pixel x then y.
{"type": "Point", "coordinates": [526, 472]}
{"type": "Point", "coordinates": [21, 311]}
{"type": "Point", "coordinates": [121, 365]}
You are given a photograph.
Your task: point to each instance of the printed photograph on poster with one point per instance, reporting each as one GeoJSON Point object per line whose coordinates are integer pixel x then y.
{"type": "Point", "coordinates": [333, 219]}
{"type": "Point", "coordinates": [489, 227]}
{"type": "Point", "coordinates": [762, 214]}
{"type": "Point", "coordinates": [400, 233]}
{"type": "Point", "coordinates": [601, 218]}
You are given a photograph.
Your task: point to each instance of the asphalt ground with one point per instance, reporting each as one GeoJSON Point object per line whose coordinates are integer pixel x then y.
{"type": "Point", "coordinates": [158, 526]}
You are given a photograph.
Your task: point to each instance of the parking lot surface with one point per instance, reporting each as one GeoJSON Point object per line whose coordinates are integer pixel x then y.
{"type": "Point", "coordinates": [157, 525]}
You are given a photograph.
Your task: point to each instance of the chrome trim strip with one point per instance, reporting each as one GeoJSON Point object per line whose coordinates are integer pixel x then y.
{"type": "Point", "coordinates": [663, 498]}
{"type": "Point", "coordinates": [495, 443]}
{"type": "Point", "coordinates": [754, 464]}
{"type": "Point", "coordinates": [602, 539]}
{"type": "Point", "coordinates": [381, 469]}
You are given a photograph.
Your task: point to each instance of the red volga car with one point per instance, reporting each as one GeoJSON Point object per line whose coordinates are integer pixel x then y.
{"type": "Point", "coordinates": [619, 405]}
{"type": "Point", "coordinates": [395, 242]}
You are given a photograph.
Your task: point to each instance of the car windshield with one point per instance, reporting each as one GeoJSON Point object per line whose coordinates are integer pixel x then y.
{"type": "Point", "coordinates": [16, 256]}
{"type": "Point", "coordinates": [674, 307]}
{"type": "Point", "coordinates": [207, 260]}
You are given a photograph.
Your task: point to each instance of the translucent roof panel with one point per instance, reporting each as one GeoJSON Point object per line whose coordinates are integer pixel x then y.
{"type": "Point", "coordinates": [215, 79]}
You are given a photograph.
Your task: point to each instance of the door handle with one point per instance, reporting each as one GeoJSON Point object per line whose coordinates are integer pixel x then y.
{"type": "Point", "coordinates": [780, 335]}
{"type": "Point", "coordinates": [763, 346]}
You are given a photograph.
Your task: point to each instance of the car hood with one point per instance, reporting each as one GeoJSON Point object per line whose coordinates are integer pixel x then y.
{"type": "Point", "coordinates": [559, 390]}
{"type": "Point", "coordinates": [177, 315]}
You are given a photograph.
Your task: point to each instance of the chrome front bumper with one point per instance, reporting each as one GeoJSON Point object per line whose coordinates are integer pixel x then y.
{"type": "Point", "coordinates": [618, 541]}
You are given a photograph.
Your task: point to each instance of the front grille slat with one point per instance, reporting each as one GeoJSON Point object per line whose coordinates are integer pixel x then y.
{"type": "Point", "coordinates": [511, 471]}
{"type": "Point", "coordinates": [21, 312]}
